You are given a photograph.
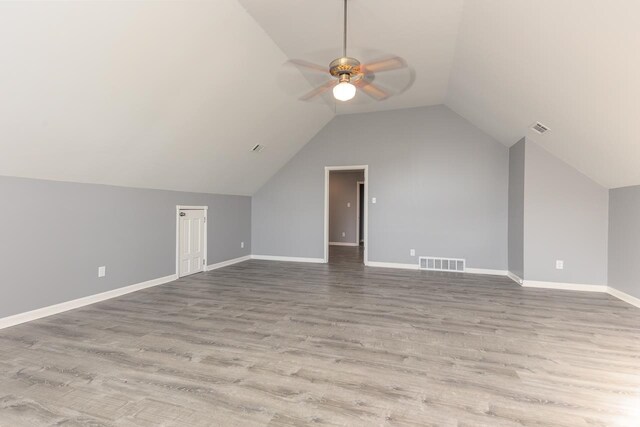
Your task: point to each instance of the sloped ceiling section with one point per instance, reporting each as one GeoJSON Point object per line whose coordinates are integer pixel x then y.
{"type": "Point", "coordinates": [174, 94]}
{"type": "Point", "coordinates": [148, 94]}
{"type": "Point", "coordinates": [572, 65]}
{"type": "Point", "coordinates": [423, 32]}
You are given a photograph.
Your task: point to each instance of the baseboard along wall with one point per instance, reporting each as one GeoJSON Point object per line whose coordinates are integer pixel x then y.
{"type": "Point", "coordinates": [514, 277]}
{"type": "Point", "coordinates": [39, 313]}
{"type": "Point", "coordinates": [416, 267]}
{"type": "Point", "coordinates": [392, 265]}
{"type": "Point", "coordinates": [527, 283]}
{"type": "Point", "coordinates": [287, 259]}
{"type": "Point", "coordinates": [211, 267]}
{"type": "Point", "coordinates": [563, 286]}
{"type": "Point", "coordinates": [630, 299]}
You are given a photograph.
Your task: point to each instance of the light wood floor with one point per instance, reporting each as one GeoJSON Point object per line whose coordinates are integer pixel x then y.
{"type": "Point", "coordinates": [271, 344]}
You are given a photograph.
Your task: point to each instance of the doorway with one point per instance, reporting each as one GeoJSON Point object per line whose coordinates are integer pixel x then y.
{"type": "Point", "coordinates": [346, 212]}
{"type": "Point", "coordinates": [360, 217]}
{"type": "Point", "coordinates": [191, 240]}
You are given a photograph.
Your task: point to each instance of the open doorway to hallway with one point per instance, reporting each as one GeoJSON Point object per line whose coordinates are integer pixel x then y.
{"type": "Point", "coordinates": [359, 205]}
{"type": "Point", "coordinates": [346, 212]}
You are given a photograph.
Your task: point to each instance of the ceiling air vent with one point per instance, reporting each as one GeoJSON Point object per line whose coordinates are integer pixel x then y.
{"type": "Point", "coordinates": [441, 264]}
{"type": "Point", "coordinates": [257, 148]}
{"type": "Point", "coordinates": [540, 128]}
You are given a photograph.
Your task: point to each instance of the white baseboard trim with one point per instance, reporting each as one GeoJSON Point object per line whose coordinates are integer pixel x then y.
{"type": "Point", "coordinates": [342, 244]}
{"type": "Point", "coordinates": [392, 265]}
{"type": "Point", "coordinates": [416, 267]}
{"type": "Point", "coordinates": [287, 259]}
{"type": "Point", "coordinates": [515, 277]}
{"type": "Point", "coordinates": [486, 271]}
{"type": "Point", "coordinates": [564, 286]}
{"type": "Point", "coordinates": [39, 313]}
{"type": "Point", "coordinates": [228, 262]}
{"type": "Point", "coordinates": [624, 296]}
{"type": "Point", "coordinates": [527, 283]}
{"type": "Point", "coordinates": [583, 288]}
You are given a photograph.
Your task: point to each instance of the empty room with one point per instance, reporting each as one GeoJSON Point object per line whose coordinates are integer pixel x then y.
{"type": "Point", "coordinates": [320, 212]}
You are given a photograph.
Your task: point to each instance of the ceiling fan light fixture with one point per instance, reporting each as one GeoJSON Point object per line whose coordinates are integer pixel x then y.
{"type": "Point", "coordinates": [344, 91]}
{"type": "Point", "coordinates": [351, 74]}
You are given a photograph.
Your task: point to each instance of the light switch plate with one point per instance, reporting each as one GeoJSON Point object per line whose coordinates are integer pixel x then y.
{"type": "Point", "coordinates": [241, 245]}
{"type": "Point", "coordinates": [348, 204]}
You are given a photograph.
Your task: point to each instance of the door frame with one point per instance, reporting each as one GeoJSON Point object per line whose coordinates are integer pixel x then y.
{"type": "Point", "coordinates": [206, 223]}
{"type": "Point", "coordinates": [358, 213]}
{"type": "Point", "coordinates": [327, 170]}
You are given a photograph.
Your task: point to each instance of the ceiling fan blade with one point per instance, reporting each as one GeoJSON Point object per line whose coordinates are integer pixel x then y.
{"type": "Point", "coordinates": [317, 91]}
{"type": "Point", "coordinates": [301, 63]}
{"type": "Point", "coordinates": [374, 91]}
{"type": "Point", "coordinates": [387, 64]}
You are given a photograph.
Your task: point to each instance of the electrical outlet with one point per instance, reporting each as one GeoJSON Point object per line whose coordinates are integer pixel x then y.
{"type": "Point", "coordinates": [412, 252]}
{"type": "Point", "coordinates": [241, 245]}
{"type": "Point", "coordinates": [344, 234]}
{"type": "Point", "coordinates": [373, 200]}
{"type": "Point", "coordinates": [102, 271]}
{"type": "Point", "coordinates": [559, 264]}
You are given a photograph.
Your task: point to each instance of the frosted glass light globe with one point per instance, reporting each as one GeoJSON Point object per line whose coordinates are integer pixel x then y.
{"type": "Point", "coordinates": [344, 91]}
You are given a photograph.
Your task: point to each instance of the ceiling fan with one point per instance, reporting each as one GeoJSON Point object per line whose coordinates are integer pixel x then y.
{"type": "Point", "coordinates": [349, 75]}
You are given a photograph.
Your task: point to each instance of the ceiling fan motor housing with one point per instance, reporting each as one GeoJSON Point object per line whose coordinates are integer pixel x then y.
{"type": "Point", "coordinates": [345, 65]}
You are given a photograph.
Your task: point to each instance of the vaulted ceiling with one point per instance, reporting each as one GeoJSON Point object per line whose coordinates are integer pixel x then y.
{"type": "Point", "coordinates": [173, 95]}
{"type": "Point", "coordinates": [422, 32]}
{"type": "Point", "coordinates": [573, 65]}
{"type": "Point", "coordinates": [151, 94]}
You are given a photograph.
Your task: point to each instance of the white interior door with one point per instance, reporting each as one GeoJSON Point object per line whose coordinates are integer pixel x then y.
{"type": "Point", "coordinates": [192, 241]}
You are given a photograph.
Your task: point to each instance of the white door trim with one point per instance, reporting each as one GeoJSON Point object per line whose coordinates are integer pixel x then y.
{"type": "Point", "coordinates": [327, 170]}
{"type": "Point", "coordinates": [206, 223]}
{"type": "Point", "coordinates": [358, 212]}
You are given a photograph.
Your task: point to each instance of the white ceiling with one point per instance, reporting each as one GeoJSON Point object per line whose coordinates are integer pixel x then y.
{"type": "Point", "coordinates": [168, 95]}
{"type": "Point", "coordinates": [423, 32]}
{"type": "Point", "coordinates": [573, 65]}
{"type": "Point", "coordinates": [173, 95]}
{"type": "Point", "coordinates": [502, 64]}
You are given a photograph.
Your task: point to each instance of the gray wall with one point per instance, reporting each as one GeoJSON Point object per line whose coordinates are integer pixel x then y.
{"type": "Point", "coordinates": [516, 208]}
{"type": "Point", "coordinates": [343, 190]}
{"type": "Point", "coordinates": [565, 218]}
{"type": "Point", "coordinates": [624, 240]}
{"type": "Point", "coordinates": [441, 186]}
{"type": "Point", "coordinates": [55, 235]}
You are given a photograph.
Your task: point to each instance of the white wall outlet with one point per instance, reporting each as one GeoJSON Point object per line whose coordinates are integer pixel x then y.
{"type": "Point", "coordinates": [373, 200]}
{"type": "Point", "coordinates": [559, 264]}
{"type": "Point", "coordinates": [412, 252]}
{"type": "Point", "coordinates": [348, 204]}
{"type": "Point", "coordinates": [241, 245]}
{"type": "Point", "coordinates": [102, 271]}
{"type": "Point", "coordinates": [344, 234]}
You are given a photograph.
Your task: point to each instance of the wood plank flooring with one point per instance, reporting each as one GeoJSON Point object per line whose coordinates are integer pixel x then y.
{"type": "Point", "coordinates": [280, 344]}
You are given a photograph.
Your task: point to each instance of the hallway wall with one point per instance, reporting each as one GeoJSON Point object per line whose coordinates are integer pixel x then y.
{"type": "Point", "coordinates": [343, 200]}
